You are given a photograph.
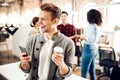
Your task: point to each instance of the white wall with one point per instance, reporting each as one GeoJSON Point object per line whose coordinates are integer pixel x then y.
{"type": "Point", "coordinates": [19, 38]}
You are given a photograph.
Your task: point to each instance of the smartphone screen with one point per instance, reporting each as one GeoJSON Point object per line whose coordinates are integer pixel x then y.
{"type": "Point", "coordinates": [23, 50]}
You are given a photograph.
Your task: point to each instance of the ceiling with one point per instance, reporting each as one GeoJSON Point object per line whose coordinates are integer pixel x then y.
{"type": "Point", "coordinates": [4, 3]}
{"type": "Point", "coordinates": [7, 1]}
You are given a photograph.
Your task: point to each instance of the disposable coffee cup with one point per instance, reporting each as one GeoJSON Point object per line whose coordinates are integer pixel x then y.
{"type": "Point", "coordinates": [58, 49]}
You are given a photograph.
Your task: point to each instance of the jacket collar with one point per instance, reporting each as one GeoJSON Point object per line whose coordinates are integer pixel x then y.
{"type": "Point", "coordinates": [57, 37]}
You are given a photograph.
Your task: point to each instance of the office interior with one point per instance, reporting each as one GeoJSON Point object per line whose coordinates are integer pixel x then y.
{"type": "Point", "coordinates": [17, 15]}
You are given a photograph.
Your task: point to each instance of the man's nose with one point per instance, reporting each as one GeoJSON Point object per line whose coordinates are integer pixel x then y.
{"type": "Point", "coordinates": [40, 22]}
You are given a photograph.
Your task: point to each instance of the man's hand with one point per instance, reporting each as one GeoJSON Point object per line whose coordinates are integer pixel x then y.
{"type": "Point", "coordinates": [58, 59]}
{"type": "Point", "coordinates": [82, 37]}
{"type": "Point", "coordinates": [25, 61]}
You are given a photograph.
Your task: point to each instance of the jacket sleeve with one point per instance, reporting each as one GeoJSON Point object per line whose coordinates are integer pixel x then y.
{"type": "Point", "coordinates": [29, 46]}
{"type": "Point", "coordinates": [26, 71]}
{"type": "Point", "coordinates": [69, 57]}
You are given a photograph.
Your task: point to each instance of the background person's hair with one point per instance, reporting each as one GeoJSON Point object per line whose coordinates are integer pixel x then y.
{"type": "Point", "coordinates": [33, 22]}
{"type": "Point", "coordinates": [64, 12]}
{"type": "Point", "coordinates": [55, 11]}
{"type": "Point", "coordinates": [94, 16]}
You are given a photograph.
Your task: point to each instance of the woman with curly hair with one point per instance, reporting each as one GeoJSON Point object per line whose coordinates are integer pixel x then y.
{"type": "Point", "coordinates": [91, 36]}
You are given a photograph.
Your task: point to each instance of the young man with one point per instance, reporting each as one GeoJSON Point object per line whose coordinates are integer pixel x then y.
{"type": "Point", "coordinates": [43, 63]}
{"type": "Point", "coordinates": [69, 30]}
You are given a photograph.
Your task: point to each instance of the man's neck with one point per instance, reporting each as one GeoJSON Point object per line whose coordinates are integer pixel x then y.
{"type": "Point", "coordinates": [64, 23]}
{"type": "Point", "coordinates": [50, 35]}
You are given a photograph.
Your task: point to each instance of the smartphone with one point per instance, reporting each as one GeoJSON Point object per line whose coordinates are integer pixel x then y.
{"type": "Point", "coordinates": [23, 50]}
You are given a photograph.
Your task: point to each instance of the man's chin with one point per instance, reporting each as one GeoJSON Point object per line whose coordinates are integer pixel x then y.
{"type": "Point", "coordinates": [43, 30]}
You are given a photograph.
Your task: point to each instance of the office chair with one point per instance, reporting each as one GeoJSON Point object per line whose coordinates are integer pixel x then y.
{"type": "Point", "coordinates": [107, 59]}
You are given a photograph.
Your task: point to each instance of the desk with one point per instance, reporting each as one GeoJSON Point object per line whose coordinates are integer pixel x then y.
{"type": "Point", "coordinates": [13, 72]}
{"type": "Point", "coordinates": [75, 77]}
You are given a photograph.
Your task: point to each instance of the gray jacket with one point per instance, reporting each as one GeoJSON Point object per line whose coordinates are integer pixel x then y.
{"type": "Point", "coordinates": [33, 47]}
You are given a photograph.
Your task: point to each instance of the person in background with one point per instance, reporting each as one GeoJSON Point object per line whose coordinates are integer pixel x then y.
{"type": "Point", "coordinates": [43, 63]}
{"type": "Point", "coordinates": [91, 36]}
{"type": "Point", "coordinates": [35, 26]}
{"type": "Point", "coordinates": [69, 30]}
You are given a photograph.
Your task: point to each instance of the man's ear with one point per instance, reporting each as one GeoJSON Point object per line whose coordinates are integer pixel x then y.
{"type": "Point", "coordinates": [56, 20]}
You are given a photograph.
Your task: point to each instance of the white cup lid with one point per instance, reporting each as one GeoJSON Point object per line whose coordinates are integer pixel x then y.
{"type": "Point", "coordinates": [58, 49]}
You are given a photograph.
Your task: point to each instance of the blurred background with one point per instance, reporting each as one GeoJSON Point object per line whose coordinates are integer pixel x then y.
{"type": "Point", "coordinates": [16, 15]}
{"type": "Point", "coordinates": [20, 12]}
